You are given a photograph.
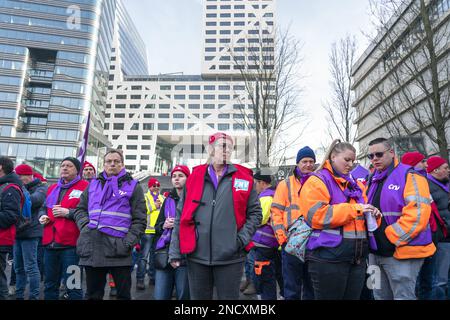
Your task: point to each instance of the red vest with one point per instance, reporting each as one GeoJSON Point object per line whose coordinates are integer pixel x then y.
{"type": "Point", "coordinates": [62, 230]}
{"type": "Point", "coordinates": [194, 191]}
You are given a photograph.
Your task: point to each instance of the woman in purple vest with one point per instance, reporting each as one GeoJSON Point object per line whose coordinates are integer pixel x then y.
{"type": "Point", "coordinates": [166, 276]}
{"type": "Point", "coordinates": [333, 204]}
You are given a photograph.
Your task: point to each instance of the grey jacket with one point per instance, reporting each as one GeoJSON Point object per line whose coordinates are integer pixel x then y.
{"type": "Point", "coordinates": [97, 249]}
{"type": "Point", "coordinates": [218, 241]}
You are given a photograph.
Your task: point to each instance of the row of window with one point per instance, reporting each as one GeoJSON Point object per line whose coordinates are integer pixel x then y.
{"type": "Point", "coordinates": [64, 117]}
{"type": "Point", "coordinates": [6, 48]}
{"type": "Point", "coordinates": [72, 72]}
{"type": "Point", "coordinates": [45, 8]}
{"type": "Point", "coordinates": [10, 81]}
{"type": "Point", "coordinates": [11, 64]}
{"type": "Point", "coordinates": [72, 103]}
{"type": "Point", "coordinates": [73, 56]}
{"type": "Point", "coordinates": [63, 135]}
{"type": "Point", "coordinates": [9, 97]}
{"type": "Point", "coordinates": [43, 23]}
{"type": "Point", "coordinates": [37, 103]}
{"type": "Point", "coordinates": [39, 90]}
{"type": "Point", "coordinates": [175, 126]}
{"type": "Point", "coordinates": [40, 73]}
{"type": "Point", "coordinates": [7, 113]}
{"type": "Point", "coordinates": [70, 87]}
{"type": "Point", "coordinates": [47, 38]}
{"type": "Point", "coordinates": [205, 87]}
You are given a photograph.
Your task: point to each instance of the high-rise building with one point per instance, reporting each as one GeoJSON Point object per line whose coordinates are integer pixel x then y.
{"type": "Point", "coordinates": [392, 80]}
{"type": "Point", "coordinates": [161, 120]}
{"type": "Point", "coordinates": [54, 67]}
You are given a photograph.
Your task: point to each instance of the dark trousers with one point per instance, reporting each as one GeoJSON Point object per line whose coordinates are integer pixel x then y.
{"type": "Point", "coordinates": [268, 272]}
{"type": "Point", "coordinates": [426, 279]}
{"type": "Point", "coordinates": [3, 280]}
{"type": "Point", "coordinates": [96, 281]}
{"type": "Point", "coordinates": [59, 263]}
{"type": "Point", "coordinates": [297, 282]}
{"type": "Point", "coordinates": [203, 278]}
{"type": "Point", "coordinates": [337, 281]}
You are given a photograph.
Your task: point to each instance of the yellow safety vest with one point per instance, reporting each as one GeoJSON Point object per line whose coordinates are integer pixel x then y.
{"type": "Point", "coordinates": [152, 212]}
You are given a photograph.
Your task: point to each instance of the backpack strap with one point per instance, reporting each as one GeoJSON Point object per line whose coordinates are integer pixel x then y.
{"type": "Point", "coordinates": [15, 186]}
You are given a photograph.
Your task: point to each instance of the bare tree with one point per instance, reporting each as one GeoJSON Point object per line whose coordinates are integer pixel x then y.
{"type": "Point", "coordinates": [414, 97]}
{"type": "Point", "coordinates": [269, 65]}
{"type": "Point", "coordinates": [341, 114]}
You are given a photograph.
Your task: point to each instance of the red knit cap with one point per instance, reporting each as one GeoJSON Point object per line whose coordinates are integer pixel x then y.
{"type": "Point", "coordinates": [434, 163]}
{"type": "Point", "coordinates": [24, 170]}
{"type": "Point", "coordinates": [183, 169]}
{"type": "Point", "coordinates": [152, 182]}
{"type": "Point", "coordinates": [412, 158]}
{"type": "Point", "coordinates": [39, 176]}
{"type": "Point", "coordinates": [88, 164]}
{"type": "Point", "coordinates": [219, 135]}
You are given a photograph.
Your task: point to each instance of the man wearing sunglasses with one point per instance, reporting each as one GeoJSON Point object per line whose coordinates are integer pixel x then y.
{"type": "Point", "coordinates": [398, 247]}
{"type": "Point", "coordinates": [153, 200]}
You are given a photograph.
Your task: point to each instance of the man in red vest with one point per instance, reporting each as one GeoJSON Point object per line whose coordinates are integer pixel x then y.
{"type": "Point", "coordinates": [61, 232]}
{"type": "Point", "coordinates": [216, 219]}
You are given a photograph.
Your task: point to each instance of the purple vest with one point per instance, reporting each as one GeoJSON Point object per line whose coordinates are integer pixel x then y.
{"type": "Point", "coordinates": [330, 238]}
{"type": "Point", "coordinates": [265, 235]}
{"type": "Point", "coordinates": [170, 211]}
{"type": "Point", "coordinates": [392, 203]}
{"type": "Point", "coordinates": [113, 217]}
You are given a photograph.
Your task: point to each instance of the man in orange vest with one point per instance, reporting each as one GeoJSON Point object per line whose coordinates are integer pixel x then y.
{"type": "Point", "coordinates": [285, 210]}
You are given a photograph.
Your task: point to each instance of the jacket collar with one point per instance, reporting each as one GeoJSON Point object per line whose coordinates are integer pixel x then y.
{"type": "Point", "coordinates": [11, 178]}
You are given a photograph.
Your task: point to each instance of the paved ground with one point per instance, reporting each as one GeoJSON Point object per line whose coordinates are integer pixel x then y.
{"type": "Point", "coordinates": [146, 294]}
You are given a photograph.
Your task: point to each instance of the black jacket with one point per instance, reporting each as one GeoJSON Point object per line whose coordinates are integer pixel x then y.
{"type": "Point", "coordinates": [10, 206]}
{"type": "Point", "coordinates": [38, 192]}
{"type": "Point", "coordinates": [97, 249]}
{"type": "Point", "coordinates": [440, 197]}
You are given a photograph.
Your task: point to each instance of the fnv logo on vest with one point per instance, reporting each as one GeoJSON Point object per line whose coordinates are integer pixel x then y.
{"type": "Point", "coordinates": [393, 187]}
{"type": "Point", "coordinates": [241, 185]}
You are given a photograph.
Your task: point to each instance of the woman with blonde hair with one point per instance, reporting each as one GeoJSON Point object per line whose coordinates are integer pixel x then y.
{"type": "Point", "coordinates": [334, 205]}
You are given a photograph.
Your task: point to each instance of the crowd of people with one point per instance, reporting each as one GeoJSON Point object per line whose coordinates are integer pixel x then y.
{"type": "Point", "coordinates": [381, 234]}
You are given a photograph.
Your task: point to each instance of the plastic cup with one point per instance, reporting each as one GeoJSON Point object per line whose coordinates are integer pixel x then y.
{"type": "Point", "coordinates": [371, 222]}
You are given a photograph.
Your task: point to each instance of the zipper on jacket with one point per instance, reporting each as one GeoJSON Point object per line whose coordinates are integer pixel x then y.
{"type": "Point", "coordinates": [210, 225]}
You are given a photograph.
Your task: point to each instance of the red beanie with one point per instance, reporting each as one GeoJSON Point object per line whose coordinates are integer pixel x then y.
{"type": "Point", "coordinates": [88, 164]}
{"type": "Point", "coordinates": [24, 170]}
{"type": "Point", "coordinates": [412, 158]}
{"type": "Point", "coordinates": [434, 163]}
{"type": "Point", "coordinates": [39, 176]}
{"type": "Point", "coordinates": [219, 135]}
{"type": "Point", "coordinates": [152, 182]}
{"type": "Point", "coordinates": [183, 169]}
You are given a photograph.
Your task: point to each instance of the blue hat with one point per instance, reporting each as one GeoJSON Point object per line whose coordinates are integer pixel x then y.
{"type": "Point", "coordinates": [305, 152]}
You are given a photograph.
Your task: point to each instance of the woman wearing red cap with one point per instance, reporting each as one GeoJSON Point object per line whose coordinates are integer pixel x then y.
{"type": "Point", "coordinates": [438, 179]}
{"type": "Point", "coordinates": [166, 276]}
{"type": "Point", "coordinates": [217, 217]}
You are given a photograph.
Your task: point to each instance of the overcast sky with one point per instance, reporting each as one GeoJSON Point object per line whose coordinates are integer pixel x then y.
{"type": "Point", "coordinates": [172, 31]}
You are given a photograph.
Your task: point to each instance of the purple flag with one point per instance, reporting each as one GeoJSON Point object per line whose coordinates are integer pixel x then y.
{"type": "Point", "coordinates": [83, 147]}
{"type": "Point", "coordinates": [360, 173]}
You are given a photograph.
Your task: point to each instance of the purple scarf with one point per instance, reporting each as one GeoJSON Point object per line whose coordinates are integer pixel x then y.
{"type": "Point", "coordinates": [169, 212]}
{"type": "Point", "coordinates": [111, 186]}
{"type": "Point", "coordinates": [353, 191]}
{"type": "Point", "coordinates": [213, 175]}
{"type": "Point", "coordinates": [377, 178]}
{"type": "Point", "coordinates": [301, 176]}
{"type": "Point", "coordinates": [445, 187]}
{"type": "Point", "coordinates": [53, 197]}
{"type": "Point", "coordinates": [155, 196]}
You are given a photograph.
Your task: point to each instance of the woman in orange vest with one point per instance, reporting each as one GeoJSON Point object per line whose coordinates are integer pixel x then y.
{"type": "Point", "coordinates": [333, 204]}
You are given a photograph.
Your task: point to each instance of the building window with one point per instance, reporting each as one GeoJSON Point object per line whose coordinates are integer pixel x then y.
{"type": "Point", "coordinates": [132, 137]}
{"type": "Point", "coordinates": [178, 126]}
{"type": "Point", "coordinates": [136, 96]}
{"type": "Point", "coordinates": [163, 126]}
{"type": "Point", "coordinates": [178, 115]}
{"type": "Point", "coordinates": [121, 96]}
{"type": "Point", "coordinates": [135, 126]}
{"type": "Point", "coordinates": [149, 115]}
{"type": "Point", "coordinates": [146, 138]}
{"type": "Point", "coordinates": [132, 147]}
{"type": "Point", "coordinates": [148, 126]}
{"type": "Point", "coordinates": [163, 116]}
{"type": "Point", "coordinates": [223, 126]}
{"type": "Point", "coordinates": [164, 106]}
{"type": "Point", "coordinates": [118, 126]}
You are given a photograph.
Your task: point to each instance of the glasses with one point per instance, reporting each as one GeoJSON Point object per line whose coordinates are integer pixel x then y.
{"type": "Point", "coordinates": [156, 186]}
{"type": "Point", "coordinates": [371, 156]}
{"type": "Point", "coordinates": [113, 161]}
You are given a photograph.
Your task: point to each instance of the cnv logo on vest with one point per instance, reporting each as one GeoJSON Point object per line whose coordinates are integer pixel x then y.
{"type": "Point", "coordinates": [394, 187]}
{"type": "Point", "coordinates": [121, 193]}
{"type": "Point", "coordinates": [240, 184]}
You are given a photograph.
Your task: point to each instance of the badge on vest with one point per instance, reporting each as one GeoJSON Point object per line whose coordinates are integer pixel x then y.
{"type": "Point", "coordinates": [241, 185]}
{"type": "Point", "coordinates": [75, 194]}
